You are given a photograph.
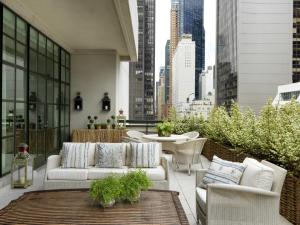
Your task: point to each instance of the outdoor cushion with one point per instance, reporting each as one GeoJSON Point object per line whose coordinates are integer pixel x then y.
{"type": "Point", "coordinates": [91, 154]}
{"type": "Point", "coordinates": [145, 155]}
{"type": "Point", "coordinates": [109, 155]}
{"type": "Point", "coordinates": [75, 155]}
{"type": "Point", "coordinates": [222, 171]}
{"type": "Point", "coordinates": [155, 174]}
{"type": "Point", "coordinates": [257, 175]}
{"type": "Point", "coordinates": [201, 198]}
{"type": "Point", "coordinates": [100, 173]}
{"type": "Point", "coordinates": [67, 174]}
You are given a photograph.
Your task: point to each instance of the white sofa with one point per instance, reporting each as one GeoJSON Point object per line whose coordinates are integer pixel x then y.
{"type": "Point", "coordinates": [70, 178]}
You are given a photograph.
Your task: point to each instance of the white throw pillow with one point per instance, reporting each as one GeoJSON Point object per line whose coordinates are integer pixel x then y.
{"type": "Point", "coordinates": [109, 155]}
{"type": "Point", "coordinates": [257, 175]}
{"type": "Point", "coordinates": [145, 155]}
{"type": "Point", "coordinates": [224, 172]}
{"type": "Point", "coordinates": [75, 155]}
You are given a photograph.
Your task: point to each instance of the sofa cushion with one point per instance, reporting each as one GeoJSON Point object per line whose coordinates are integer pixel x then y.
{"type": "Point", "coordinates": [100, 173]}
{"type": "Point", "coordinates": [222, 171]}
{"type": "Point", "coordinates": [109, 155]}
{"type": "Point", "coordinates": [154, 174]}
{"type": "Point", "coordinates": [91, 154]}
{"type": "Point", "coordinates": [145, 155]}
{"type": "Point", "coordinates": [75, 155]}
{"type": "Point", "coordinates": [67, 174]}
{"type": "Point", "coordinates": [257, 175]}
{"type": "Point", "coordinates": [201, 198]}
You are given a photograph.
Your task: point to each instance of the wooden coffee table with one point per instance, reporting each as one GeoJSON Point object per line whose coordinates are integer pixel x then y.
{"type": "Point", "coordinates": [75, 207]}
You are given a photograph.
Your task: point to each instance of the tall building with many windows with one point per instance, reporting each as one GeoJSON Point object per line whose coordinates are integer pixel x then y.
{"type": "Point", "coordinates": [296, 42]}
{"type": "Point", "coordinates": [254, 50]}
{"type": "Point", "coordinates": [191, 22]}
{"type": "Point", "coordinates": [142, 73]}
{"type": "Point", "coordinates": [167, 71]}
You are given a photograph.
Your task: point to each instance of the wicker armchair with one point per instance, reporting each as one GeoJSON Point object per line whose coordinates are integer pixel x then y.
{"type": "Point", "coordinates": [188, 152]}
{"type": "Point", "coordinates": [192, 135]}
{"type": "Point", "coordinates": [223, 204]}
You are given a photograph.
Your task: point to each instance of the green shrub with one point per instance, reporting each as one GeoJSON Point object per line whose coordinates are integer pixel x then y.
{"type": "Point", "coordinates": [132, 185]}
{"type": "Point", "coordinates": [165, 129]}
{"type": "Point", "coordinates": [106, 190]}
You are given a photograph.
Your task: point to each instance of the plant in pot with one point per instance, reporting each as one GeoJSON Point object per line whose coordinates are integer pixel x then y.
{"type": "Point", "coordinates": [90, 122]}
{"type": "Point", "coordinates": [165, 129]}
{"type": "Point", "coordinates": [103, 126]}
{"type": "Point", "coordinates": [106, 191]}
{"type": "Point", "coordinates": [113, 118]}
{"type": "Point", "coordinates": [96, 125]}
{"type": "Point", "coordinates": [132, 184]}
{"type": "Point", "coordinates": [108, 121]}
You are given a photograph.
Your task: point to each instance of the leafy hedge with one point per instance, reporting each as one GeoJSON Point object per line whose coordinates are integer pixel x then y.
{"type": "Point", "coordinates": [273, 135]}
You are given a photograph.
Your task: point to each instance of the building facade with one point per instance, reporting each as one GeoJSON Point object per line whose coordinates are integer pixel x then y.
{"type": "Point", "coordinates": [142, 73]}
{"type": "Point", "coordinates": [286, 93]}
{"type": "Point", "coordinates": [254, 50]}
{"type": "Point", "coordinates": [167, 71]}
{"type": "Point", "coordinates": [191, 22]}
{"type": "Point", "coordinates": [207, 82]}
{"type": "Point", "coordinates": [184, 70]}
{"type": "Point", "coordinates": [296, 42]}
{"type": "Point", "coordinates": [161, 94]}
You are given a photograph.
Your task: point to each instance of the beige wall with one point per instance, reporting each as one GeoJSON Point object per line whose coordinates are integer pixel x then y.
{"type": "Point", "coordinates": [93, 73]}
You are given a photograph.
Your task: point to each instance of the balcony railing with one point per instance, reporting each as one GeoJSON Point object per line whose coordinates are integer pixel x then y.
{"type": "Point", "coordinates": [145, 126]}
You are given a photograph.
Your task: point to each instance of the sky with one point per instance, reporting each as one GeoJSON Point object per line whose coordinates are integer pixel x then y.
{"type": "Point", "coordinates": [163, 8]}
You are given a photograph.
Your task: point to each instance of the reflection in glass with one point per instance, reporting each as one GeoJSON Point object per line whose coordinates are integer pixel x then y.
{"type": "Point", "coordinates": [21, 55]}
{"type": "Point", "coordinates": [32, 84]}
{"type": "Point", "coordinates": [8, 22]}
{"type": "Point", "coordinates": [67, 75]}
{"type": "Point", "coordinates": [49, 67]}
{"type": "Point", "coordinates": [63, 57]}
{"type": "Point", "coordinates": [42, 64]}
{"type": "Point", "coordinates": [50, 91]}
{"type": "Point", "coordinates": [67, 94]}
{"type": "Point", "coordinates": [20, 123]}
{"type": "Point", "coordinates": [42, 44]}
{"type": "Point", "coordinates": [56, 92]}
{"type": "Point", "coordinates": [33, 38]}
{"type": "Point", "coordinates": [63, 73]}
{"type": "Point", "coordinates": [7, 119]}
{"type": "Point", "coordinates": [49, 49]}
{"type": "Point", "coordinates": [21, 30]}
{"type": "Point", "coordinates": [33, 60]}
{"type": "Point", "coordinates": [50, 115]}
{"type": "Point", "coordinates": [20, 85]}
{"type": "Point", "coordinates": [41, 89]}
{"type": "Point", "coordinates": [7, 154]}
{"type": "Point", "coordinates": [56, 75]}
{"type": "Point", "coordinates": [8, 82]}
{"type": "Point", "coordinates": [56, 116]}
{"type": "Point", "coordinates": [8, 53]}
{"type": "Point", "coordinates": [56, 53]}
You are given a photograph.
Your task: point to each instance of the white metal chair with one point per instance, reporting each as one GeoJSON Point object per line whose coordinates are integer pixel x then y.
{"type": "Point", "coordinates": [188, 152]}
{"type": "Point", "coordinates": [223, 204]}
{"type": "Point", "coordinates": [192, 135]}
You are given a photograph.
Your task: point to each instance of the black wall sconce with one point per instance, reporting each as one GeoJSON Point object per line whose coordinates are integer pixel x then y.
{"type": "Point", "coordinates": [78, 104]}
{"type": "Point", "coordinates": [106, 103]}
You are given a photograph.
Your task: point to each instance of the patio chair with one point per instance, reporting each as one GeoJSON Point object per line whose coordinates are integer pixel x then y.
{"type": "Point", "coordinates": [188, 152]}
{"type": "Point", "coordinates": [223, 204]}
{"type": "Point", "coordinates": [134, 136]}
{"type": "Point", "coordinates": [192, 135]}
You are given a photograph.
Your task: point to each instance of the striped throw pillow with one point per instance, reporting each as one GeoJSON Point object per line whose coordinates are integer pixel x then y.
{"type": "Point", "coordinates": [145, 155]}
{"type": "Point", "coordinates": [222, 171]}
{"type": "Point", "coordinates": [75, 155]}
{"type": "Point", "coordinates": [109, 155]}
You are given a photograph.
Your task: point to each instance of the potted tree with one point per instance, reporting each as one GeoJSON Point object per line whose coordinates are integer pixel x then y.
{"type": "Point", "coordinates": [113, 125]}
{"type": "Point", "coordinates": [165, 129]}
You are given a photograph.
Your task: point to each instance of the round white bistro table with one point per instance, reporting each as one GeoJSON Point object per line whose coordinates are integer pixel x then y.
{"type": "Point", "coordinates": [172, 138]}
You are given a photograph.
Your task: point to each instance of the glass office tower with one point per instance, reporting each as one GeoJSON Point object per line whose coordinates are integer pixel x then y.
{"type": "Point", "coordinates": [167, 71]}
{"type": "Point", "coordinates": [192, 23]}
{"type": "Point", "coordinates": [142, 73]}
{"type": "Point", "coordinates": [35, 96]}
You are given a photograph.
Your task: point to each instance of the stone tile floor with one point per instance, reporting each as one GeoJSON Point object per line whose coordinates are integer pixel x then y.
{"type": "Point", "coordinates": [179, 181]}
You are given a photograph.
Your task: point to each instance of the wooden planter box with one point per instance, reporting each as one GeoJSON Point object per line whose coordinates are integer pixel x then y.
{"type": "Point", "coordinates": [290, 195]}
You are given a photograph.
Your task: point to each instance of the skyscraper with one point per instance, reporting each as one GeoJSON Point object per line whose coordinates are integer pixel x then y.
{"type": "Point", "coordinates": [254, 51]}
{"type": "Point", "coordinates": [296, 41]}
{"type": "Point", "coordinates": [167, 71]}
{"type": "Point", "coordinates": [191, 22]}
{"type": "Point", "coordinates": [142, 73]}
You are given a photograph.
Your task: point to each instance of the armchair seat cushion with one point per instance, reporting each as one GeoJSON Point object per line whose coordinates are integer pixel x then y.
{"type": "Point", "coordinates": [201, 198]}
{"type": "Point", "coordinates": [67, 174]}
{"type": "Point", "coordinates": [100, 173]}
{"type": "Point", "coordinates": [155, 174]}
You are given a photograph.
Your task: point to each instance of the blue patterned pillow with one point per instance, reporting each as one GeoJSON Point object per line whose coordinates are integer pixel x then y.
{"type": "Point", "coordinates": [145, 155]}
{"type": "Point", "coordinates": [109, 155]}
{"type": "Point", "coordinates": [222, 171]}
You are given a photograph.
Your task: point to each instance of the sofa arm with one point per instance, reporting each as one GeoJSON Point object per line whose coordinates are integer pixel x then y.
{"type": "Point", "coordinates": [235, 204]}
{"type": "Point", "coordinates": [53, 162]}
{"type": "Point", "coordinates": [165, 165]}
{"type": "Point", "coordinates": [199, 176]}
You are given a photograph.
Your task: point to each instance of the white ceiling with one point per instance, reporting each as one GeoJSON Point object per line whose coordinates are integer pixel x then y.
{"type": "Point", "coordinates": [79, 24]}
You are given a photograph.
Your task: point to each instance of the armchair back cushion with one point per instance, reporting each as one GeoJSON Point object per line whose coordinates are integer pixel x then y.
{"type": "Point", "coordinates": [109, 155]}
{"type": "Point", "coordinates": [75, 155]}
{"type": "Point", "coordinates": [257, 175]}
{"type": "Point", "coordinates": [222, 171]}
{"type": "Point", "coordinates": [144, 155]}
